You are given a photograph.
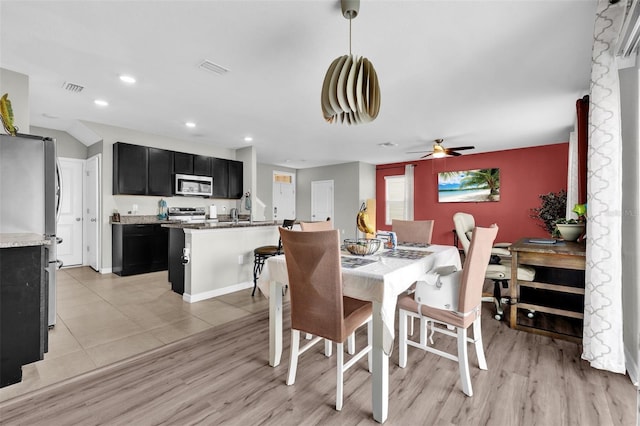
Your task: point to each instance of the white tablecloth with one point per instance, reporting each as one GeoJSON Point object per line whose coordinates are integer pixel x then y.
{"type": "Point", "coordinates": [381, 281]}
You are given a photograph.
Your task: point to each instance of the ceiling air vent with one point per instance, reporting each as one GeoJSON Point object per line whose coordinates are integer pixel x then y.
{"type": "Point", "coordinates": [211, 67]}
{"type": "Point", "coordinates": [71, 87]}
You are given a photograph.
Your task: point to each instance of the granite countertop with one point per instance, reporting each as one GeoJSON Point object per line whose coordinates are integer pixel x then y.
{"type": "Point", "coordinates": [23, 240]}
{"type": "Point", "coordinates": [138, 220]}
{"type": "Point", "coordinates": [220, 225]}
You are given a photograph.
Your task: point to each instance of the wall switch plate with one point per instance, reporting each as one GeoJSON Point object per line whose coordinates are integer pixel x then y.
{"type": "Point", "coordinates": [240, 259]}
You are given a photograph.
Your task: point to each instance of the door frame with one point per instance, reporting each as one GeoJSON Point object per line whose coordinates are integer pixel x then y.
{"type": "Point", "coordinates": [97, 207]}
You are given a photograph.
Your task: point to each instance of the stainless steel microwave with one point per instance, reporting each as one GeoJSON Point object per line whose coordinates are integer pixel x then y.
{"type": "Point", "coordinates": [195, 186]}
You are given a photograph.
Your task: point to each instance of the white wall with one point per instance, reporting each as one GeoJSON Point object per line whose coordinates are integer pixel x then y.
{"type": "Point", "coordinates": [17, 86]}
{"type": "Point", "coordinates": [348, 180]}
{"type": "Point", "coordinates": [630, 95]}
{"type": "Point", "coordinates": [66, 145]}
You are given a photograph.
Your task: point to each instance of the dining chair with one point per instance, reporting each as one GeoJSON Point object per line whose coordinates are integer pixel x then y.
{"type": "Point", "coordinates": [413, 231]}
{"type": "Point", "coordinates": [499, 270]}
{"type": "Point", "coordinates": [317, 226]}
{"type": "Point", "coordinates": [459, 316]}
{"type": "Point", "coordinates": [318, 306]}
{"type": "Point", "coordinates": [262, 253]}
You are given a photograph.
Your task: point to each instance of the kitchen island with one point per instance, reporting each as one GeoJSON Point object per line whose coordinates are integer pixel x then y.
{"type": "Point", "coordinates": [209, 259]}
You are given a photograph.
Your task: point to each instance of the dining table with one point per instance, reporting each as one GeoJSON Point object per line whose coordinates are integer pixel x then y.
{"type": "Point", "coordinates": [379, 278]}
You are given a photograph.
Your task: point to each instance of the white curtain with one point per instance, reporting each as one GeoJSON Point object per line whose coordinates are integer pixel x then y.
{"type": "Point", "coordinates": [408, 191]}
{"type": "Point", "coordinates": [572, 175]}
{"type": "Point", "coordinates": [602, 338]}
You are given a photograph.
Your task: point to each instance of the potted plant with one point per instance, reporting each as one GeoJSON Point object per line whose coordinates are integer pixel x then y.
{"type": "Point", "coordinates": [571, 229]}
{"type": "Point", "coordinates": [553, 205]}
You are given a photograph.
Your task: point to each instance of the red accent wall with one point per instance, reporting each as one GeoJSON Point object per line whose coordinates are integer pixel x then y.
{"type": "Point", "coordinates": [524, 174]}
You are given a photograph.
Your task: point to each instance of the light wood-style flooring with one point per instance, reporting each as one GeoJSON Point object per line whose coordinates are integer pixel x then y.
{"type": "Point", "coordinates": [221, 376]}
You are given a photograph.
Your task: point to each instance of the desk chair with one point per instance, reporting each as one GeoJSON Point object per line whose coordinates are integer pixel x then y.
{"type": "Point", "coordinates": [413, 231]}
{"type": "Point", "coordinates": [261, 254]}
{"type": "Point", "coordinates": [318, 306]}
{"type": "Point", "coordinates": [499, 271]}
{"type": "Point", "coordinates": [317, 226]}
{"type": "Point", "coordinates": [461, 314]}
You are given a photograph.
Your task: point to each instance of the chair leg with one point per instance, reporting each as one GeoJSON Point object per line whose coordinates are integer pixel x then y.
{"type": "Point", "coordinates": [293, 358]}
{"type": "Point", "coordinates": [258, 263]}
{"type": "Point", "coordinates": [402, 338]}
{"type": "Point", "coordinates": [328, 347]}
{"type": "Point", "coordinates": [463, 362]}
{"type": "Point", "coordinates": [339, 375]}
{"type": "Point", "coordinates": [351, 343]}
{"type": "Point", "coordinates": [477, 338]}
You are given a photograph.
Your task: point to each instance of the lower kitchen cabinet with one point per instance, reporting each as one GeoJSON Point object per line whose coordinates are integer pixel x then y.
{"type": "Point", "coordinates": [23, 310]}
{"type": "Point", "coordinates": [139, 248]}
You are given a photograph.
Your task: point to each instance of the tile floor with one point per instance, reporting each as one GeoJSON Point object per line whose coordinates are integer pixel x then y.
{"type": "Point", "coordinates": [102, 319]}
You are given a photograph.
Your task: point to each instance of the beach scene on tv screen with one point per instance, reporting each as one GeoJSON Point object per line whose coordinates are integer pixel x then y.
{"type": "Point", "coordinates": [469, 186]}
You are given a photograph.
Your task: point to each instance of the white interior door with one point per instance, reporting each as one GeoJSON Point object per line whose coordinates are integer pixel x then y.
{"type": "Point", "coordinates": [92, 212]}
{"type": "Point", "coordinates": [284, 196]}
{"type": "Point", "coordinates": [322, 200]}
{"type": "Point", "coordinates": [69, 226]}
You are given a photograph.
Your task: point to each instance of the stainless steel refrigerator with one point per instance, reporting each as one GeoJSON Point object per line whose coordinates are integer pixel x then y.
{"type": "Point", "coordinates": [30, 195]}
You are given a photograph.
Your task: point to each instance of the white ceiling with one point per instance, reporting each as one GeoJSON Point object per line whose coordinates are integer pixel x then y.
{"type": "Point", "coordinates": [494, 74]}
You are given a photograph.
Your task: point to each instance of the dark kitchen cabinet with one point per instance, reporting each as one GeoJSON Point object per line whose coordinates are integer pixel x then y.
{"type": "Point", "coordinates": [159, 181]}
{"type": "Point", "coordinates": [23, 309]}
{"type": "Point", "coordinates": [235, 179]}
{"type": "Point", "coordinates": [183, 163]}
{"type": "Point", "coordinates": [202, 165]}
{"type": "Point", "coordinates": [220, 172]}
{"type": "Point", "coordinates": [140, 248]}
{"type": "Point", "coordinates": [130, 164]}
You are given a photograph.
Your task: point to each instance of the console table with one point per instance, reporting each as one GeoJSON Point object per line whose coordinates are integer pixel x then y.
{"type": "Point", "coordinates": [552, 304]}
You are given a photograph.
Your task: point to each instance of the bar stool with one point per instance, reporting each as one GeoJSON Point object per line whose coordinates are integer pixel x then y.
{"type": "Point", "coordinates": [261, 254]}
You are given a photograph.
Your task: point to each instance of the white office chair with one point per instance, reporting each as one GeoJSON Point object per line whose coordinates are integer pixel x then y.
{"type": "Point", "coordinates": [499, 273]}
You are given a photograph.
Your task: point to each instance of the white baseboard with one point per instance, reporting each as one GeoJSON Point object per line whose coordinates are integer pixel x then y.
{"type": "Point", "coordinates": [632, 366]}
{"type": "Point", "coordinates": [192, 298]}
{"type": "Point", "coordinates": [105, 270]}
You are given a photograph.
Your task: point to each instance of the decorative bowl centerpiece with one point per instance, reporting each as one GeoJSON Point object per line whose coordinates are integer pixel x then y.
{"type": "Point", "coordinates": [362, 246]}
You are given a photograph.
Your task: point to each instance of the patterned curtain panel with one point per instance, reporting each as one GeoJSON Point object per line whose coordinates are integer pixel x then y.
{"type": "Point", "coordinates": [602, 341]}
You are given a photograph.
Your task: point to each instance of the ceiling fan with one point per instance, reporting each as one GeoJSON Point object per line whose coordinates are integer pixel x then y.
{"type": "Point", "coordinates": [440, 151]}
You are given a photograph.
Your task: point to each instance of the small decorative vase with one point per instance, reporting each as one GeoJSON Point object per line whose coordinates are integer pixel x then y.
{"type": "Point", "coordinates": [570, 231]}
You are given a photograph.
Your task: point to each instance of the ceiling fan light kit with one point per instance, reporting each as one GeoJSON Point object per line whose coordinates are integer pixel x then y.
{"type": "Point", "coordinates": [440, 151]}
{"type": "Point", "coordinates": [350, 91]}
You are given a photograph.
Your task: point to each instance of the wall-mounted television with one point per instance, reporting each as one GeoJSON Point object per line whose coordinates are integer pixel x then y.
{"type": "Point", "coordinates": [469, 186]}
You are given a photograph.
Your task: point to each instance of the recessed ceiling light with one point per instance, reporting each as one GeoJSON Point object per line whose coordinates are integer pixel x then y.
{"type": "Point", "coordinates": [190, 124]}
{"type": "Point", "coordinates": [127, 79]}
{"type": "Point", "coordinates": [248, 139]}
{"type": "Point", "coordinates": [101, 102]}
{"type": "Point", "coordinates": [388, 144]}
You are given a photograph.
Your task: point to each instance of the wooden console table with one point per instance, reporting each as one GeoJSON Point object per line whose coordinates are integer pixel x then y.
{"type": "Point", "coordinates": [552, 304]}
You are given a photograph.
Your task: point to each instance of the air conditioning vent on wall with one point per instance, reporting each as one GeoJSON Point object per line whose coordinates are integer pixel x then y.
{"type": "Point", "coordinates": [71, 87]}
{"type": "Point", "coordinates": [210, 66]}
{"type": "Point", "coordinates": [630, 34]}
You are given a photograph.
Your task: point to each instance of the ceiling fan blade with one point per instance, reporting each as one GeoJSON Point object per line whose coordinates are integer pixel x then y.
{"type": "Point", "coordinates": [417, 152]}
{"type": "Point", "coordinates": [450, 152]}
{"type": "Point", "coordinates": [425, 156]}
{"type": "Point", "coordinates": [460, 148]}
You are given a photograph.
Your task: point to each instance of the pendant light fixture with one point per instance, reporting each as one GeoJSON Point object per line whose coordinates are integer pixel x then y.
{"type": "Point", "coordinates": [350, 92]}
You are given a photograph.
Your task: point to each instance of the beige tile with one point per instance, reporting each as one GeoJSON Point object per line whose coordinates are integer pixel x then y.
{"type": "Point", "coordinates": [181, 329]}
{"type": "Point", "coordinates": [96, 309]}
{"type": "Point", "coordinates": [61, 341]}
{"type": "Point", "coordinates": [116, 329]}
{"type": "Point", "coordinates": [70, 365]}
{"type": "Point", "coordinates": [217, 313]}
{"type": "Point", "coordinates": [120, 349]}
{"type": "Point", "coordinates": [103, 316]}
{"type": "Point", "coordinates": [150, 317]}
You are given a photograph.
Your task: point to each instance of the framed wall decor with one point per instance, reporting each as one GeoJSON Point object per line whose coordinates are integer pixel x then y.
{"type": "Point", "coordinates": [469, 186]}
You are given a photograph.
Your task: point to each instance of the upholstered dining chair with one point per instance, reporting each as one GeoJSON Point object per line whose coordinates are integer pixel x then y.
{"type": "Point", "coordinates": [413, 231]}
{"type": "Point", "coordinates": [316, 226]}
{"type": "Point", "coordinates": [461, 314]}
{"type": "Point", "coordinates": [261, 254]}
{"type": "Point", "coordinates": [499, 271]}
{"type": "Point", "coordinates": [318, 306]}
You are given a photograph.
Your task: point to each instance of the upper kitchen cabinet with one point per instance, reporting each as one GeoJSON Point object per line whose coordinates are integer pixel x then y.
{"type": "Point", "coordinates": [159, 173]}
{"type": "Point", "coordinates": [220, 169]}
{"type": "Point", "coordinates": [235, 179]}
{"type": "Point", "coordinates": [130, 164]}
{"type": "Point", "coordinates": [202, 165]}
{"type": "Point", "coordinates": [183, 163]}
